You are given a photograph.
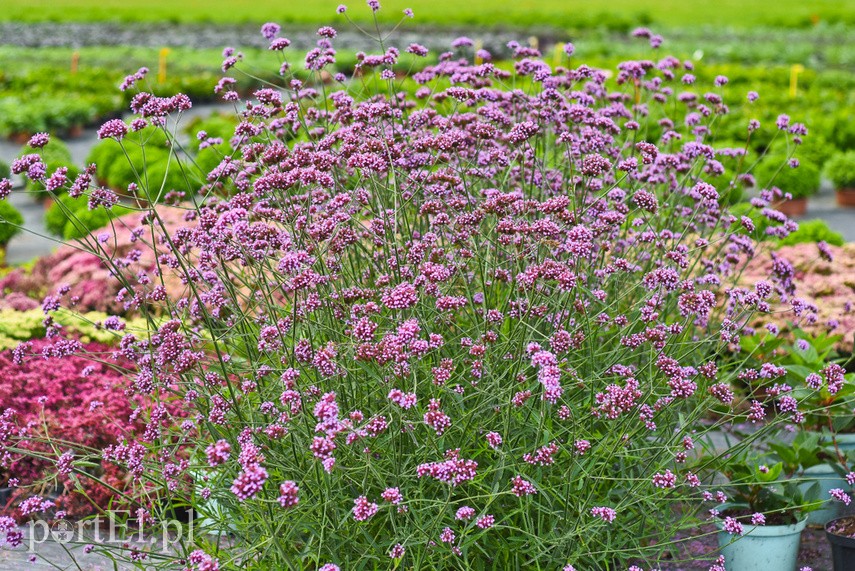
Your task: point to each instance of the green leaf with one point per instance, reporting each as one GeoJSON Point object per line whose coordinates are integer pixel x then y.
{"type": "Point", "coordinates": [770, 475]}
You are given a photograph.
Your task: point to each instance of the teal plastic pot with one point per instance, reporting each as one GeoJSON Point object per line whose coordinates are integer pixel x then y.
{"type": "Point", "coordinates": [762, 547]}
{"type": "Point", "coordinates": [846, 442]}
{"type": "Point", "coordinates": [828, 479]}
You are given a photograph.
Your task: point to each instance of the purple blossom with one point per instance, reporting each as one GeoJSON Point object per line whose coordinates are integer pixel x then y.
{"type": "Point", "coordinates": [270, 30]}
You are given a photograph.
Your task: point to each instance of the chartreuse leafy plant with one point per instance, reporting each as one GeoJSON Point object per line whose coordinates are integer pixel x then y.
{"type": "Point", "coordinates": [17, 326]}
{"type": "Point", "coordinates": [480, 324]}
{"type": "Point", "coordinates": [801, 181]}
{"type": "Point", "coordinates": [840, 169]}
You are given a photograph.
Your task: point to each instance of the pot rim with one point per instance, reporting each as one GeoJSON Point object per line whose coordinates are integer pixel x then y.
{"type": "Point", "coordinates": [768, 530]}
{"type": "Point", "coordinates": [839, 540]}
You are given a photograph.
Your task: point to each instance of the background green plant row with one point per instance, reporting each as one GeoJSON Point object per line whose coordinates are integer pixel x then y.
{"type": "Point", "coordinates": [40, 93]}
{"type": "Point", "coordinates": [791, 13]}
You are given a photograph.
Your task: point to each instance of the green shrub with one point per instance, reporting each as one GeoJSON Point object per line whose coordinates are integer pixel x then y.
{"type": "Point", "coordinates": [813, 231]}
{"type": "Point", "coordinates": [103, 154]}
{"type": "Point", "coordinates": [87, 221]}
{"type": "Point", "coordinates": [801, 182]}
{"type": "Point", "coordinates": [814, 149]}
{"type": "Point", "coordinates": [218, 125]}
{"type": "Point", "coordinates": [121, 165]}
{"type": "Point", "coordinates": [10, 222]}
{"type": "Point", "coordinates": [5, 171]}
{"type": "Point", "coordinates": [21, 325]}
{"type": "Point", "coordinates": [71, 218]}
{"type": "Point", "coordinates": [840, 169]}
{"type": "Point", "coordinates": [56, 216]}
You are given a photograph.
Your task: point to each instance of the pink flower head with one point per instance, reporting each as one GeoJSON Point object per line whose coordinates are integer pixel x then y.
{"type": "Point", "coordinates": [288, 494]}
{"type": "Point", "coordinates": [364, 510]}
{"type": "Point", "coordinates": [113, 129]}
{"type": "Point", "coordinates": [840, 496]}
{"type": "Point", "coordinates": [465, 513]}
{"type": "Point", "coordinates": [218, 453]}
{"type": "Point", "coordinates": [249, 482]}
{"type": "Point", "coordinates": [732, 526]}
{"type": "Point", "coordinates": [664, 480]}
{"type": "Point", "coordinates": [522, 487]}
{"type": "Point", "coordinates": [392, 495]}
{"type": "Point", "coordinates": [494, 439]}
{"type": "Point", "coordinates": [604, 513]}
{"type": "Point", "coordinates": [397, 551]}
{"type": "Point", "coordinates": [402, 399]}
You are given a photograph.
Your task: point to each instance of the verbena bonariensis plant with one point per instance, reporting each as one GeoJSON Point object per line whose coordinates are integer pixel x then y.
{"type": "Point", "coordinates": [467, 319]}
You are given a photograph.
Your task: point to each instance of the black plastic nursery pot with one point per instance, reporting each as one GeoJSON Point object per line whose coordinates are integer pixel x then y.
{"type": "Point", "coordinates": [842, 547]}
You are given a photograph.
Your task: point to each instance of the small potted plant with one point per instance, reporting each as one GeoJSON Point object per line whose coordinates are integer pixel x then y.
{"type": "Point", "coordinates": [840, 533]}
{"type": "Point", "coordinates": [840, 170]}
{"type": "Point", "coordinates": [812, 462]}
{"type": "Point", "coordinates": [760, 526]}
{"type": "Point", "coordinates": [797, 182]}
{"type": "Point", "coordinates": [825, 396]}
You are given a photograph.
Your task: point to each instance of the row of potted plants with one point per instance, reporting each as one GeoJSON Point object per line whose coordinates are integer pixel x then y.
{"type": "Point", "coordinates": [803, 182]}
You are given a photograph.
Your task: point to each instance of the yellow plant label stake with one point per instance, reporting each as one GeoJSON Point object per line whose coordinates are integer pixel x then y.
{"type": "Point", "coordinates": [794, 78]}
{"type": "Point", "coordinates": [161, 67]}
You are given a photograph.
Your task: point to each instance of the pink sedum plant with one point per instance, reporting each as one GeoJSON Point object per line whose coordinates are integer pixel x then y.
{"type": "Point", "coordinates": [68, 405]}
{"type": "Point", "coordinates": [462, 320]}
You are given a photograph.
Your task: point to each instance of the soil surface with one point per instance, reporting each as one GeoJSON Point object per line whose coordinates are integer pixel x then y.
{"type": "Point", "coordinates": [844, 527]}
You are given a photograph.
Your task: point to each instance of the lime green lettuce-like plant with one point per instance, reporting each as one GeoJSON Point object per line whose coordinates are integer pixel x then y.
{"type": "Point", "coordinates": [840, 169]}
{"type": "Point", "coordinates": [801, 182]}
{"type": "Point", "coordinates": [17, 326]}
